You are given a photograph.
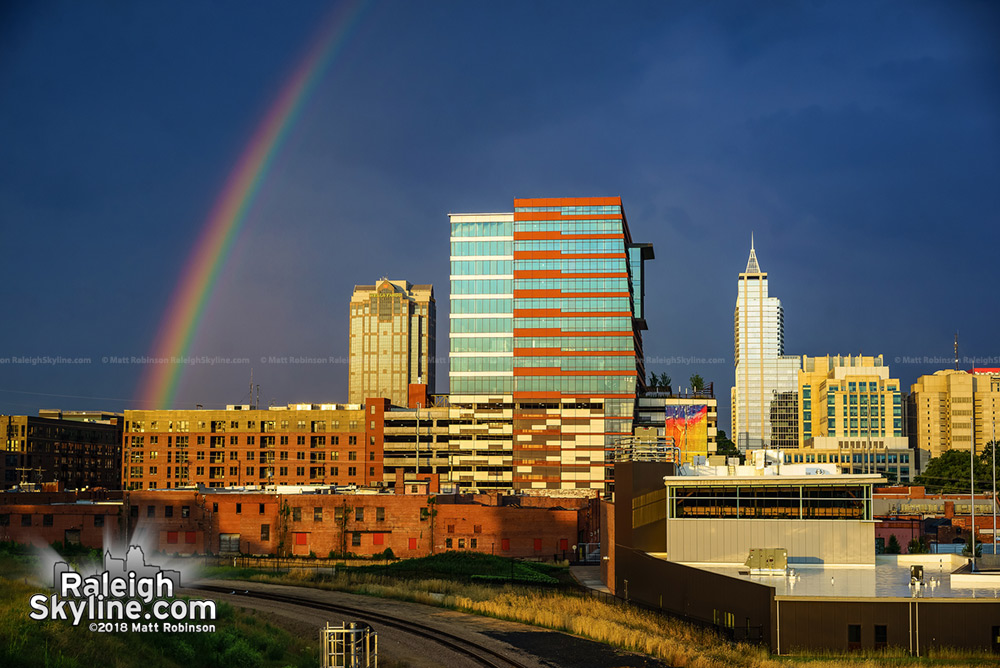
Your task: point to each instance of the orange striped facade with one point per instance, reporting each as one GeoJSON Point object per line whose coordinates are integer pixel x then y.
{"type": "Point", "coordinates": [555, 446]}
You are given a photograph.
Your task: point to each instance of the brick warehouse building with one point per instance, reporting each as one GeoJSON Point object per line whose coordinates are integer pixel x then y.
{"type": "Point", "coordinates": [43, 518]}
{"type": "Point", "coordinates": [289, 521]}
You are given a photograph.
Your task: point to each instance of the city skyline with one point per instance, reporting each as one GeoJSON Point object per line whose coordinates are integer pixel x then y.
{"type": "Point", "coordinates": [862, 154]}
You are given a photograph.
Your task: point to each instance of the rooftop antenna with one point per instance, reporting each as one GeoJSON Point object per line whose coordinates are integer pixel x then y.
{"type": "Point", "coordinates": [251, 387]}
{"type": "Point", "coordinates": [956, 350]}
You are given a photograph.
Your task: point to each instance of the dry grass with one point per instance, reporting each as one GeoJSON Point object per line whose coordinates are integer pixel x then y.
{"type": "Point", "coordinates": [675, 642]}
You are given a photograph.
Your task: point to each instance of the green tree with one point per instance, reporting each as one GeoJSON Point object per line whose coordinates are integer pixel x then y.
{"type": "Point", "coordinates": [725, 447]}
{"type": "Point", "coordinates": [950, 471]}
{"type": "Point", "coordinates": [697, 382]}
{"type": "Point", "coordinates": [654, 381]}
{"type": "Point", "coordinates": [917, 546]}
{"type": "Point", "coordinates": [893, 547]}
{"type": "Point", "coordinates": [665, 381]}
{"type": "Point", "coordinates": [967, 548]}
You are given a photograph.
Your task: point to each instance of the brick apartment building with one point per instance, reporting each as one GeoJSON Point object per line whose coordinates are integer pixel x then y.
{"type": "Point", "coordinates": [73, 449]}
{"type": "Point", "coordinates": [301, 444]}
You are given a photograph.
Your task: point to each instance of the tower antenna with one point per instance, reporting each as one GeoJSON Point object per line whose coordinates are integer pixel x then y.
{"type": "Point", "coordinates": [956, 350]}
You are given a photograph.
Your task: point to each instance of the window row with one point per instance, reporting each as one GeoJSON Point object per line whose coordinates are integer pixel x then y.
{"type": "Point", "coordinates": [481, 267]}
{"type": "Point", "coordinates": [572, 210]}
{"type": "Point", "coordinates": [618, 284]}
{"type": "Point", "coordinates": [482, 325]}
{"type": "Point", "coordinates": [489, 344]}
{"type": "Point", "coordinates": [481, 385]}
{"type": "Point", "coordinates": [467, 248]}
{"type": "Point", "coordinates": [571, 245]}
{"type": "Point", "coordinates": [483, 229]}
{"type": "Point", "coordinates": [576, 384]}
{"type": "Point", "coordinates": [575, 343]}
{"type": "Point", "coordinates": [580, 362]}
{"type": "Point", "coordinates": [482, 306]}
{"type": "Point", "coordinates": [584, 226]}
{"type": "Point", "coordinates": [494, 364]}
{"type": "Point", "coordinates": [570, 265]}
{"type": "Point", "coordinates": [584, 305]}
{"type": "Point", "coordinates": [482, 286]}
{"type": "Point", "coordinates": [585, 324]}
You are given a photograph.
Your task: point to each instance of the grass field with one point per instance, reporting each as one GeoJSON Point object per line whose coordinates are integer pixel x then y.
{"type": "Point", "coordinates": [241, 639]}
{"type": "Point", "coordinates": [449, 581]}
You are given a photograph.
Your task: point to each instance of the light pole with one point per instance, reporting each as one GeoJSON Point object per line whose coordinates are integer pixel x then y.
{"type": "Point", "coordinates": [993, 461]}
{"type": "Point", "coordinates": [972, 486]}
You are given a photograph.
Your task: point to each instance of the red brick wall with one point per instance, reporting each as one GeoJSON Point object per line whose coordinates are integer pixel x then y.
{"type": "Point", "coordinates": [905, 528]}
{"type": "Point", "coordinates": [189, 522]}
{"type": "Point", "coordinates": [48, 523]}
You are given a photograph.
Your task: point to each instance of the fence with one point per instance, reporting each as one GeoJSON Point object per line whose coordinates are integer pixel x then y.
{"type": "Point", "coordinates": [285, 564]}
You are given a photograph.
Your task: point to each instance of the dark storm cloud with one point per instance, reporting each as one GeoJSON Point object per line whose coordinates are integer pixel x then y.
{"type": "Point", "coordinates": [858, 141]}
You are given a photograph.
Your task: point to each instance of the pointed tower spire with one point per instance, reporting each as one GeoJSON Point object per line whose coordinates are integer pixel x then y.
{"type": "Point", "coordinates": [752, 266]}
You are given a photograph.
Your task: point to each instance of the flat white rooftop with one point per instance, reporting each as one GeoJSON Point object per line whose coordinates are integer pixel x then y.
{"type": "Point", "coordinates": [888, 578]}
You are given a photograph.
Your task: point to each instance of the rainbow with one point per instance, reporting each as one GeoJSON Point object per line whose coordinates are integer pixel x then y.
{"type": "Point", "coordinates": [220, 231]}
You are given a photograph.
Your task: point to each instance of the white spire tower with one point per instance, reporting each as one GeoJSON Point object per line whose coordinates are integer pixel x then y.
{"type": "Point", "coordinates": [764, 397]}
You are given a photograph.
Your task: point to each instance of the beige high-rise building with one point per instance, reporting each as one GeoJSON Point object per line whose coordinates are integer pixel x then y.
{"type": "Point", "coordinates": [392, 340]}
{"type": "Point", "coordinates": [851, 414]}
{"type": "Point", "coordinates": [849, 397]}
{"type": "Point", "coordinates": [950, 407]}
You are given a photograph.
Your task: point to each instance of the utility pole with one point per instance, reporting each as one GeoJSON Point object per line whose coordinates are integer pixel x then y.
{"type": "Point", "coordinates": [993, 461]}
{"type": "Point", "coordinates": [972, 472]}
{"type": "Point", "coordinates": [416, 469]}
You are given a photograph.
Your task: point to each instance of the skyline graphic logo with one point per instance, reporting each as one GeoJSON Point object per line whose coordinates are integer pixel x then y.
{"type": "Point", "coordinates": [128, 594]}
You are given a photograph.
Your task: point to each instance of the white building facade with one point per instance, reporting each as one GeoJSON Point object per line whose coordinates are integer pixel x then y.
{"type": "Point", "coordinates": [765, 394]}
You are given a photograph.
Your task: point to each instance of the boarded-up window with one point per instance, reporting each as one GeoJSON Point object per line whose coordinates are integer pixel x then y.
{"type": "Point", "coordinates": [229, 543]}
{"type": "Point", "coordinates": [538, 545]}
{"type": "Point", "coordinates": [190, 537]}
{"type": "Point", "coordinates": [171, 537]}
{"type": "Point", "coordinates": [413, 544]}
{"type": "Point", "coordinates": [564, 544]}
{"type": "Point", "coordinates": [505, 544]}
{"type": "Point", "coordinates": [301, 539]}
{"type": "Point", "coordinates": [378, 539]}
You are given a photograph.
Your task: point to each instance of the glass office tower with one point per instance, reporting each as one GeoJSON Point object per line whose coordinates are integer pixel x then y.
{"type": "Point", "coordinates": [546, 332]}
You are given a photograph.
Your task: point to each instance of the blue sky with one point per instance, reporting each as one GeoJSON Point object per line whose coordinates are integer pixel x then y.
{"type": "Point", "coordinates": [858, 141]}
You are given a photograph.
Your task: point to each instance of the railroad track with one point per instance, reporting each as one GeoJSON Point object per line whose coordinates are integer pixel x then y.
{"type": "Point", "coordinates": [479, 653]}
